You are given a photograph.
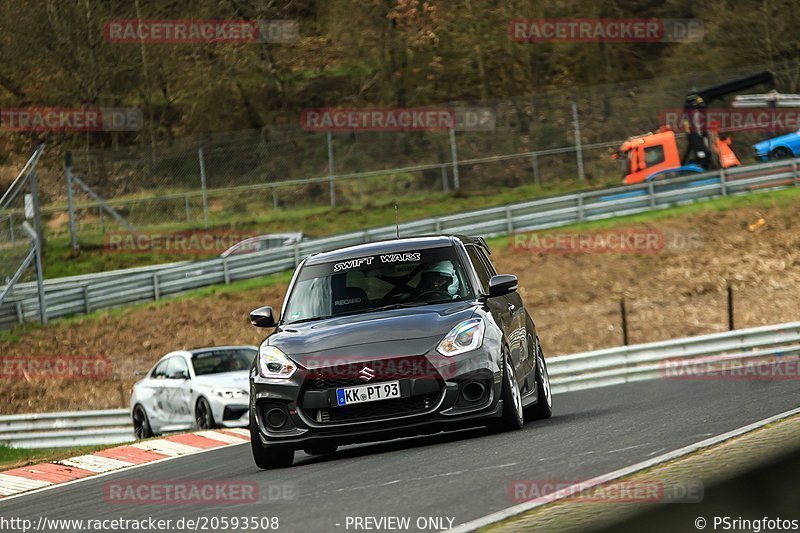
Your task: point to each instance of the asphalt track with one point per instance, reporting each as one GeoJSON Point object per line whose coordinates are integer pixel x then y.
{"type": "Point", "coordinates": [460, 476]}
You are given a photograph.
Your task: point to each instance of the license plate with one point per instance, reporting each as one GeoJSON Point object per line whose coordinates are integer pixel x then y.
{"type": "Point", "coordinates": [368, 393]}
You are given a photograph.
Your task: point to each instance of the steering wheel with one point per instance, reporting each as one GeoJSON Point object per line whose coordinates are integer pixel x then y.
{"type": "Point", "coordinates": [446, 295]}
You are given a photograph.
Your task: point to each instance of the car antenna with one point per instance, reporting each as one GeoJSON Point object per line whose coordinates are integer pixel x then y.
{"type": "Point", "coordinates": [396, 223]}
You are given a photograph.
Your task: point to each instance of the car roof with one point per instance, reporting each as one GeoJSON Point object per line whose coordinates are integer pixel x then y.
{"type": "Point", "coordinates": [389, 246]}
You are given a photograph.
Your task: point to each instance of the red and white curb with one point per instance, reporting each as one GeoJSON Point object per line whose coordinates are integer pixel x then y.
{"type": "Point", "coordinates": [45, 475]}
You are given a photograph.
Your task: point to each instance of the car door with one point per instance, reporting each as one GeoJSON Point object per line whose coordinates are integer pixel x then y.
{"type": "Point", "coordinates": [518, 337]}
{"type": "Point", "coordinates": [178, 391]}
{"type": "Point", "coordinates": [499, 306]}
{"type": "Point", "coordinates": [153, 396]}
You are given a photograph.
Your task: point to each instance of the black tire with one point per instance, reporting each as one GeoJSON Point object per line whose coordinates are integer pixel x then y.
{"type": "Point", "coordinates": [141, 424]}
{"type": "Point", "coordinates": [513, 417]}
{"type": "Point", "coordinates": [780, 153]}
{"type": "Point", "coordinates": [321, 449]}
{"type": "Point", "coordinates": [203, 416]}
{"type": "Point", "coordinates": [543, 408]}
{"type": "Point", "coordinates": [268, 457]}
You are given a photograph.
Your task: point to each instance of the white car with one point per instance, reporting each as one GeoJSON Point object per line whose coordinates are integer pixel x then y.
{"type": "Point", "coordinates": [187, 389]}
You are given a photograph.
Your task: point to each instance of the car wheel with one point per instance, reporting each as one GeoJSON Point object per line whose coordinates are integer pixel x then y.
{"type": "Point", "coordinates": [321, 449]}
{"type": "Point", "coordinates": [780, 153]}
{"type": "Point", "coordinates": [203, 416]}
{"type": "Point", "coordinates": [544, 400]}
{"type": "Point", "coordinates": [141, 424]}
{"type": "Point", "coordinates": [513, 417]}
{"type": "Point", "coordinates": [268, 457]}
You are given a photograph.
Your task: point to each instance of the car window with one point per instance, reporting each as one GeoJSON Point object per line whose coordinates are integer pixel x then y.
{"type": "Point", "coordinates": [480, 267]}
{"type": "Point", "coordinates": [218, 361]}
{"type": "Point", "coordinates": [408, 278]}
{"type": "Point", "coordinates": [160, 371]}
{"type": "Point", "coordinates": [176, 365]}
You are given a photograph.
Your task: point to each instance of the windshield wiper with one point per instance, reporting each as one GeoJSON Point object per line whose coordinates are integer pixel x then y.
{"type": "Point", "coordinates": [310, 319]}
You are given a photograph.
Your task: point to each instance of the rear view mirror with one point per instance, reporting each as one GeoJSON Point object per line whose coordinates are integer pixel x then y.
{"type": "Point", "coordinates": [263, 317]}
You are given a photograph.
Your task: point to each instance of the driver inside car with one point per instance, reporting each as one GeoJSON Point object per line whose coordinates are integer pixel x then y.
{"type": "Point", "coordinates": [437, 281]}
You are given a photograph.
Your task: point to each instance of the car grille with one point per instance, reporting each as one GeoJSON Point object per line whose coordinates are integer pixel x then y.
{"type": "Point", "coordinates": [399, 368]}
{"type": "Point", "coordinates": [374, 410]}
{"type": "Point", "coordinates": [384, 370]}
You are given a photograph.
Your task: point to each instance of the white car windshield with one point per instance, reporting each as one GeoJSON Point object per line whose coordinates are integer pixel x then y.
{"type": "Point", "coordinates": [218, 361]}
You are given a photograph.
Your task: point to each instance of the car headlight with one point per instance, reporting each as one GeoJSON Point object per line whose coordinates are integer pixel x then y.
{"type": "Point", "coordinates": [466, 336]}
{"type": "Point", "coordinates": [229, 394]}
{"type": "Point", "coordinates": [273, 363]}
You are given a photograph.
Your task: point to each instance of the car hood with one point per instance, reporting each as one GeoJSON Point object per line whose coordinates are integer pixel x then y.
{"type": "Point", "coordinates": [232, 380]}
{"type": "Point", "coordinates": [397, 332]}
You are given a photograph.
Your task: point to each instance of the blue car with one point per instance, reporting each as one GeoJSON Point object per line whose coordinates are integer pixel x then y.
{"type": "Point", "coordinates": [778, 147]}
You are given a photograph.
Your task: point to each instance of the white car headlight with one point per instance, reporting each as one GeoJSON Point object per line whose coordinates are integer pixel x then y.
{"type": "Point", "coordinates": [466, 336]}
{"type": "Point", "coordinates": [229, 394]}
{"type": "Point", "coordinates": [273, 363]}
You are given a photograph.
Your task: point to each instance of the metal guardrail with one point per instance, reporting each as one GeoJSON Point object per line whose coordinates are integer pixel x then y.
{"type": "Point", "coordinates": [66, 429]}
{"type": "Point", "coordinates": [586, 370]}
{"type": "Point", "coordinates": [84, 294]}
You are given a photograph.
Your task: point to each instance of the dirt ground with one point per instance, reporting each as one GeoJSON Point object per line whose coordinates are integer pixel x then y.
{"type": "Point", "coordinates": [673, 290]}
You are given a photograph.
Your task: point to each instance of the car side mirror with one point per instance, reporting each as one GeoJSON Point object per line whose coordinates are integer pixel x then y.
{"type": "Point", "coordinates": [263, 317]}
{"type": "Point", "coordinates": [502, 284]}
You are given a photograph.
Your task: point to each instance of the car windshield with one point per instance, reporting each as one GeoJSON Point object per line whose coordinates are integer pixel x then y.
{"type": "Point", "coordinates": [372, 282]}
{"type": "Point", "coordinates": [218, 361]}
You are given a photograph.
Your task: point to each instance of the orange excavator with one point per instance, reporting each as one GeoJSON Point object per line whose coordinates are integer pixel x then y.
{"type": "Point", "coordinates": [654, 156]}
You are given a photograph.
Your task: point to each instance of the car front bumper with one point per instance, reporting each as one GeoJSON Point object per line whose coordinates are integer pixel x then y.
{"type": "Point", "coordinates": [438, 399]}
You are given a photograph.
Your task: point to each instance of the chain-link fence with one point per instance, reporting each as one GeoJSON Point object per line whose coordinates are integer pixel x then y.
{"type": "Point", "coordinates": [234, 177]}
{"type": "Point", "coordinates": [21, 230]}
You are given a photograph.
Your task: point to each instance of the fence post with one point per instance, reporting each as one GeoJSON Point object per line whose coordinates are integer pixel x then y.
{"type": "Point", "coordinates": [156, 287]}
{"type": "Point", "coordinates": [331, 177]}
{"type": "Point", "coordinates": [624, 315]}
{"type": "Point", "coordinates": [730, 307]}
{"type": "Point", "coordinates": [186, 205]}
{"type": "Point", "coordinates": [37, 244]}
{"type": "Point", "coordinates": [73, 237]}
{"type": "Point", "coordinates": [201, 158]}
{"type": "Point", "coordinates": [225, 274]}
{"type": "Point", "coordinates": [86, 299]}
{"type": "Point", "coordinates": [535, 164]}
{"type": "Point", "coordinates": [580, 207]}
{"type": "Point", "coordinates": [454, 154]}
{"type": "Point", "coordinates": [652, 192]}
{"type": "Point", "coordinates": [723, 182]}
{"type": "Point", "coordinates": [576, 124]}
{"type": "Point", "coordinates": [274, 197]}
